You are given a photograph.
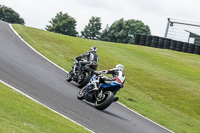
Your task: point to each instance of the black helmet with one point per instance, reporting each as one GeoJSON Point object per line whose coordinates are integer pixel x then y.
{"type": "Point", "coordinates": [93, 49]}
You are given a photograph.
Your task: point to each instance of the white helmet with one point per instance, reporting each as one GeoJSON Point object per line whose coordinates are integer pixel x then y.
{"type": "Point", "coordinates": [120, 67]}
{"type": "Point", "coordinates": [93, 49]}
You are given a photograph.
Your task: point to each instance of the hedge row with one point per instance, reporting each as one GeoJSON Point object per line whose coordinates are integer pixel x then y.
{"type": "Point", "coordinates": [166, 43]}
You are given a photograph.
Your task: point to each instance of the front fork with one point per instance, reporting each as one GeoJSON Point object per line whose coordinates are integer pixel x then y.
{"type": "Point", "coordinates": [100, 90]}
{"type": "Point", "coordinates": [100, 94]}
{"type": "Point", "coordinates": [75, 66]}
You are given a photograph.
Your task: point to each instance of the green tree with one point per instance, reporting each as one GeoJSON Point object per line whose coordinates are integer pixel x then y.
{"type": "Point", "coordinates": [10, 16]}
{"type": "Point", "coordinates": [104, 34]}
{"type": "Point", "coordinates": [122, 31]}
{"type": "Point", "coordinates": [116, 32]}
{"type": "Point", "coordinates": [92, 30]}
{"type": "Point", "coordinates": [63, 24]}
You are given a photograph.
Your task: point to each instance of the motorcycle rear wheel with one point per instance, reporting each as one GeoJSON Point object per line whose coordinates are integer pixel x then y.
{"type": "Point", "coordinates": [85, 80]}
{"type": "Point", "coordinates": [106, 101]}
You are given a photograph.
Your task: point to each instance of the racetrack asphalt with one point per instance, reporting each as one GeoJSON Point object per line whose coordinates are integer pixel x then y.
{"type": "Point", "coordinates": [30, 73]}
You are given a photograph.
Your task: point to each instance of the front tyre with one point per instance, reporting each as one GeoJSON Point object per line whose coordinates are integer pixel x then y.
{"type": "Point", "coordinates": [85, 80]}
{"type": "Point", "coordinates": [81, 94]}
{"type": "Point", "coordinates": [107, 99]}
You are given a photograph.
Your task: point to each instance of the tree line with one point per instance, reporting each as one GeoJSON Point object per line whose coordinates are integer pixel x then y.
{"type": "Point", "coordinates": [121, 31]}
{"type": "Point", "coordinates": [9, 15]}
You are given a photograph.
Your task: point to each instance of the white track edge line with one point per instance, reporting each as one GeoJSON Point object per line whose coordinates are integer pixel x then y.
{"type": "Point", "coordinates": [67, 72]}
{"type": "Point", "coordinates": [144, 117]}
{"type": "Point", "coordinates": [34, 49]}
{"type": "Point", "coordinates": [43, 105]}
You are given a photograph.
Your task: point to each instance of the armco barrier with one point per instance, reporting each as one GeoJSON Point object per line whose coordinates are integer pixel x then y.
{"type": "Point", "coordinates": [166, 43]}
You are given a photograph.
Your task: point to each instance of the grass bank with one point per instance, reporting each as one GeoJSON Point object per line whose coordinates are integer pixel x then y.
{"type": "Point", "coordinates": [19, 114]}
{"type": "Point", "coordinates": [162, 85]}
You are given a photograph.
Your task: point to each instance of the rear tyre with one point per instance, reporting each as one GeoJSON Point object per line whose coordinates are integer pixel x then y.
{"type": "Point", "coordinates": [85, 80]}
{"type": "Point", "coordinates": [81, 94]}
{"type": "Point", "coordinates": [108, 98]}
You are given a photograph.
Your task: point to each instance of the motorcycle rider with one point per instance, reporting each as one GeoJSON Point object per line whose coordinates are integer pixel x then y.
{"type": "Point", "coordinates": [118, 77]}
{"type": "Point", "coordinates": [91, 57]}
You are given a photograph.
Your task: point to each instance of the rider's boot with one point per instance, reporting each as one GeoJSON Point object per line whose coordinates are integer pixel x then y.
{"type": "Point", "coordinates": [115, 99]}
{"type": "Point", "coordinates": [69, 77]}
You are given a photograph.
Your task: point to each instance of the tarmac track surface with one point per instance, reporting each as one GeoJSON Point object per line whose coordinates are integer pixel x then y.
{"type": "Point", "coordinates": [24, 69]}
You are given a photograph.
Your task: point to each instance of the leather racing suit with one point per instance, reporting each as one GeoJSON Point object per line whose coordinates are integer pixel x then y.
{"type": "Point", "coordinates": [118, 78]}
{"type": "Point", "coordinates": [91, 57]}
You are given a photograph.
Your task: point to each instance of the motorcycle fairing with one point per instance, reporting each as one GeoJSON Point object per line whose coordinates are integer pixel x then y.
{"type": "Point", "coordinates": [113, 87]}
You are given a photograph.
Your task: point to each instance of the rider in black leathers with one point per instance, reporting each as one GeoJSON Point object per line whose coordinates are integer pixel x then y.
{"type": "Point", "coordinates": [91, 57]}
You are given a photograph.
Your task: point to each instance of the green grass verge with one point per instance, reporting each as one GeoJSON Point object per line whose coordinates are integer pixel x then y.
{"type": "Point", "coordinates": [162, 85]}
{"type": "Point", "coordinates": [19, 114]}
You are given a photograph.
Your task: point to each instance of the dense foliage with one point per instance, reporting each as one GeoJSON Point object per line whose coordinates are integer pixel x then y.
{"type": "Point", "coordinates": [63, 24]}
{"type": "Point", "coordinates": [9, 15]}
{"type": "Point", "coordinates": [92, 30]}
{"type": "Point", "coordinates": [122, 31]}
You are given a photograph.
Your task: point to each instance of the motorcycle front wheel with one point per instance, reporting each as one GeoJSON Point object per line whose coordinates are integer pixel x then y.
{"type": "Point", "coordinates": [81, 94]}
{"type": "Point", "coordinates": [107, 99]}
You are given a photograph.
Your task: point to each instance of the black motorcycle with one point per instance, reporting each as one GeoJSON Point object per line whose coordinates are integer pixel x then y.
{"type": "Point", "coordinates": [99, 93]}
{"type": "Point", "coordinates": [82, 76]}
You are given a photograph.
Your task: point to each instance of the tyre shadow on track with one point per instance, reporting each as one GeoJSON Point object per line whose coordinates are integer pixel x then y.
{"type": "Point", "coordinates": [105, 111]}
{"type": "Point", "coordinates": [115, 115]}
{"type": "Point", "coordinates": [73, 83]}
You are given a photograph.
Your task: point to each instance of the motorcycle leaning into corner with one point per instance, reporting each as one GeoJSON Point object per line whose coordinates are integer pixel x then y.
{"type": "Point", "coordinates": [82, 76]}
{"type": "Point", "coordinates": [98, 92]}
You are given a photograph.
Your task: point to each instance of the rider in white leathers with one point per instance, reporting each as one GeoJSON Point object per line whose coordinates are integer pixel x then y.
{"type": "Point", "coordinates": [118, 77]}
